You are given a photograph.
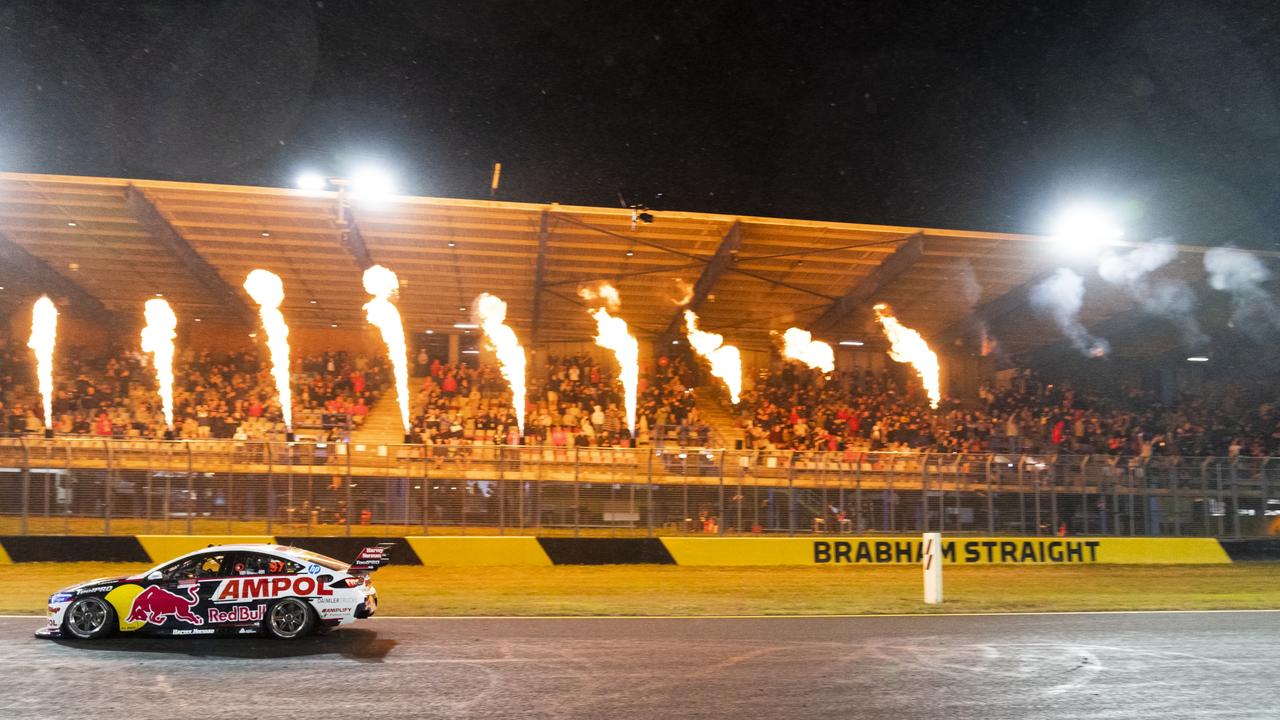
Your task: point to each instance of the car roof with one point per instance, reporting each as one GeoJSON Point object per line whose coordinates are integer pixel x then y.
{"type": "Point", "coordinates": [241, 547]}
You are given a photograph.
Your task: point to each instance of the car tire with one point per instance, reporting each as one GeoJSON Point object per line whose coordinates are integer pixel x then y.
{"type": "Point", "coordinates": [89, 618]}
{"type": "Point", "coordinates": [289, 619]}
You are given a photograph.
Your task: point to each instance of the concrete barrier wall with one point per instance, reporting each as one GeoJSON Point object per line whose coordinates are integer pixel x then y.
{"type": "Point", "coordinates": [525, 550]}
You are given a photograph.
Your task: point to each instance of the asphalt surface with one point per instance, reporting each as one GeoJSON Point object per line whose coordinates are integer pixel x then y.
{"type": "Point", "coordinates": [1148, 665]}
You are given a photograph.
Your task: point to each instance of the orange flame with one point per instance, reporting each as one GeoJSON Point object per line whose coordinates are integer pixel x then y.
{"type": "Point", "coordinates": [725, 360]}
{"type": "Point", "coordinates": [491, 311]}
{"type": "Point", "coordinates": [157, 339]}
{"type": "Point", "coordinates": [612, 333]}
{"type": "Point", "coordinates": [44, 338]}
{"type": "Point", "coordinates": [267, 289]}
{"type": "Point", "coordinates": [382, 284]}
{"type": "Point", "coordinates": [906, 345]}
{"type": "Point", "coordinates": [799, 345]}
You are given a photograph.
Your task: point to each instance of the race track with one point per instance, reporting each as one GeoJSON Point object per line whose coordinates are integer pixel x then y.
{"type": "Point", "coordinates": [1139, 665]}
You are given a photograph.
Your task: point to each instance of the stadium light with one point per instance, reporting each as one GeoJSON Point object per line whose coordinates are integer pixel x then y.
{"type": "Point", "coordinates": [372, 184]}
{"type": "Point", "coordinates": [312, 182]}
{"type": "Point", "coordinates": [1197, 358]}
{"type": "Point", "coordinates": [1083, 228]}
{"type": "Point", "coordinates": [852, 343]}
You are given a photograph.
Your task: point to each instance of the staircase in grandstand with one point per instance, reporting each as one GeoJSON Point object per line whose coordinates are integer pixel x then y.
{"type": "Point", "coordinates": [718, 412]}
{"type": "Point", "coordinates": [382, 426]}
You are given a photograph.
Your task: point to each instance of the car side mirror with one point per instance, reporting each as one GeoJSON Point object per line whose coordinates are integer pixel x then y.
{"type": "Point", "coordinates": [155, 575]}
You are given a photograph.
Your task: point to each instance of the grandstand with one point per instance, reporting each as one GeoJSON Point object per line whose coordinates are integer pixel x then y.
{"type": "Point", "coordinates": [1024, 442]}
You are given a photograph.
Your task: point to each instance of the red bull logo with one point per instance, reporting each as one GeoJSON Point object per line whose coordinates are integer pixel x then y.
{"type": "Point", "coordinates": [156, 605]}
{"type": "Point", "coordinates": [237, 614]}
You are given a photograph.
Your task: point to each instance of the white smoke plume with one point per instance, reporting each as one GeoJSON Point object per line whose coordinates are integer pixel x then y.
{"type": "Point", "coordinates": [1170, 299]}
{"type": "Point", "coordinates": [1241, 274]}
{"type": "Point", "coordinates": [683, 292]}
{"type": "Point", "coordinates": [1062, 295]}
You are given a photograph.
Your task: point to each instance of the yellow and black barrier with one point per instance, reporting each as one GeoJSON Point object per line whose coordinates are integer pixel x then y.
{"type": "Point", "coordinates": [444, 550]}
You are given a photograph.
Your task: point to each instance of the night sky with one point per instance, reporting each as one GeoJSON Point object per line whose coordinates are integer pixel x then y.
{"type": "Point", "coordinates": [961, 114]}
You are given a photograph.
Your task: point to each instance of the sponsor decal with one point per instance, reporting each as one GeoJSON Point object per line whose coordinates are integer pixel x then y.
{"type": "Point", "coordinates": [248, 631]}
{"type": "Point", "coordinates": [156, 605]}
{"type": "Point", "coordinates": [193, 631]}
{"type": "Point", "coordinates": [266, 588]}
{"type": "Point", "coordinates": [959, 552]}
{"type": "Point", "coordinates": [237, 614]}
{"type": "Point", "coordinates": [60, 597]}
{"type": "Point", "coordinates": [94, 589]}
{"type": "Point", "coordinates": [314, 569]}
{"type": "Point", "coordinates": [336, 611]}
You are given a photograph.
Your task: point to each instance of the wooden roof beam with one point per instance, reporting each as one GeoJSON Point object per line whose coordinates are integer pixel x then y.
{"type": "Point", "coordinates": [711, 273]}
{"type": "Point", "coordinates": [873, 282]}
{"type": "Point", "coordinates": [17, 262]}
{"type": "Point", "coordinates": [164, 233]}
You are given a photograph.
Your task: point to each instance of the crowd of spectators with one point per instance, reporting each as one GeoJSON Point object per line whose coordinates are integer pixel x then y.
{"type": "Point", "coordinates": [572, 401]}
{"type": "Point", "coordinates": [216, 395]}
{"type": "Point", "coordinates": [798, 409]}
{"type": "Point", "coordinates": [576, 401]}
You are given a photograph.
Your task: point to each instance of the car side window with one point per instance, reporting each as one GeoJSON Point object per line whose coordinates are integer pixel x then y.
{"type": "Point", "coordinates": [260, 564]}
{"type": "Point", "coordinates": [196, 566]}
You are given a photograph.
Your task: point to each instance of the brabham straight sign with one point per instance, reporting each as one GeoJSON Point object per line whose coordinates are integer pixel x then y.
{"type": "Point", "coordinates": [836, 550]}
{"type": "Point", "coordinates": [873, 552]}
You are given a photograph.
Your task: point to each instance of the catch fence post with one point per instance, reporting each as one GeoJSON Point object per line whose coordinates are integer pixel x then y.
{"type": "Point", "coordinates": [577, 491]}
{"type": "Point", "coordinates": [25, 491]}
{"type": "Point", "coordinates": [720, 520]}
{"type": "Point", "coordinates": [791, 494]}
{"type": "Point", "coordinates": [649, 494]}
{"type": "Point", "coordinates": [106, 489]}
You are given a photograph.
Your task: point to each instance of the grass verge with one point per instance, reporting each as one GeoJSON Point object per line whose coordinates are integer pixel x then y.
{"type": "Point", "coordinates": [669, 590]}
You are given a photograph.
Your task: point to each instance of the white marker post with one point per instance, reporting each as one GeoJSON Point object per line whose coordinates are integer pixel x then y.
{"type": "Point", "coordinates": [931, 558]}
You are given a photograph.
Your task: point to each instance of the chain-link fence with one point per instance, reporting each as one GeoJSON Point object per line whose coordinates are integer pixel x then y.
{"type": "Point", "coordinates": [87, 486]}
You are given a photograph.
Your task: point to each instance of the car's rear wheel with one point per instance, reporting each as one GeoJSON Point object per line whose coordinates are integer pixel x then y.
{"type": "Point", "coordinates": [289, 618]}
{"type": "Point", "coordinates": [89, 618]}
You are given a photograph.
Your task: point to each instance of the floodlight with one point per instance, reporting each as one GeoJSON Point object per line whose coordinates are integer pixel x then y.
{"type": "Point", "coordinates": [312, 182]}
{"type": "Point", "coordinates": [372, 184]}
{"type": "Point", "coordinates": [1084, 227]}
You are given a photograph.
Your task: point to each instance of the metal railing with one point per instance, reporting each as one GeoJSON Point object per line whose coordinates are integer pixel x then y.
{"type": "Point", "coordinates": [92, 486]}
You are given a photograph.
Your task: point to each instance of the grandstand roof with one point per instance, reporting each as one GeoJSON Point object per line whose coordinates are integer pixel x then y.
{"type": "Point", "coordinates": [106, 245]}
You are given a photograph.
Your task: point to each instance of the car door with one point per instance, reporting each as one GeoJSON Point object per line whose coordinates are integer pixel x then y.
{"type": "Point", "coordinates": [178, 602]}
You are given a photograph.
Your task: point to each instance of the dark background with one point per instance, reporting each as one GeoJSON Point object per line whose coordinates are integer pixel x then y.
{"type": "Point", "coordinates": [951, 114]}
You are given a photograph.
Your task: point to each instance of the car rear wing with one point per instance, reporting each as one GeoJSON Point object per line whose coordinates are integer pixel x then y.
{"type": "Point", "coordinates": [371, 558]}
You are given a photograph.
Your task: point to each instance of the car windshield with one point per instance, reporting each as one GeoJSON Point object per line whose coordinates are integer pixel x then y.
{"type": "Point", "coordinates": [319, 559]}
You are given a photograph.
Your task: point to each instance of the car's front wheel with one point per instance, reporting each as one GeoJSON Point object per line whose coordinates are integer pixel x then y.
{"type": "Point", "coordinates": [89, 618]}
{"type": "Point", "coordinates": [289, 618]}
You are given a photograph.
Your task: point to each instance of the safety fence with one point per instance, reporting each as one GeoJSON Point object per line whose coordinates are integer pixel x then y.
{"type": "Point", "coordinates": [100, 487]}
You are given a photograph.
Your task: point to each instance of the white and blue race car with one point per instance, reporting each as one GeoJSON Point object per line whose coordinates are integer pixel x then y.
{"type": "Point", "coordinates": [283, 592]}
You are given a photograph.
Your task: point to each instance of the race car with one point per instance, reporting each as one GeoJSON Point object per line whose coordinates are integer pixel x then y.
{"type": "Point", "coordinates": [283, 592]}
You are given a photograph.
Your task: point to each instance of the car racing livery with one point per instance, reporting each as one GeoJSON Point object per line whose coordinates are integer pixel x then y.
{"type": "Point", "coordinates": [284, 592]}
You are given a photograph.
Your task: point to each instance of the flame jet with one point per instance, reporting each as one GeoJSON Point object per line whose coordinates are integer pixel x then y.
{"type": "Point", "coordinates": [157, 339]}
{"type": "Point", "coordinates": [799, 345]}
{"type": "Point", "coordinates": [725, 360]}
{"type": "Point", "coordinates": [383, 284]}
{"type": "Point", "coordinates": [906, 345]}
{"type": "Point", "coordinates": [267, 290]}
{"type": "Point", "coordinates": [612, 333]}
{"type": "Point", "coordinates": [44, 338]}
{"type": "Point", "coordinates": [491, 312]}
